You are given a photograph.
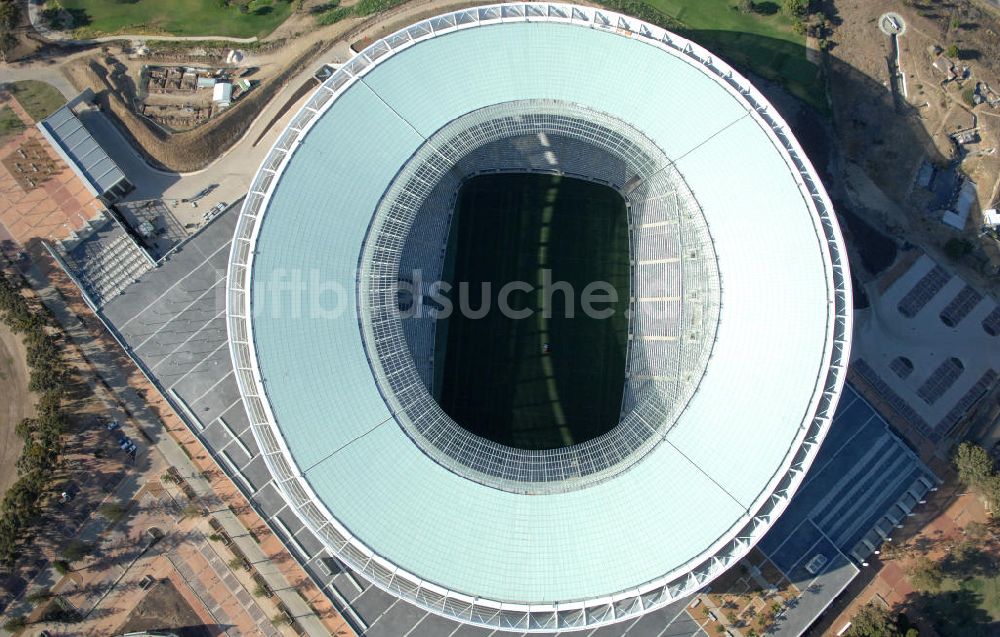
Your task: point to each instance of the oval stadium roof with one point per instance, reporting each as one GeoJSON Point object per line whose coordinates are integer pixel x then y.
{"type": "Point", "coordinates": [700, 498]}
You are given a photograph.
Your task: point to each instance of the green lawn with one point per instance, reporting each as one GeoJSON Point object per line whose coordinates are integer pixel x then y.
{"type": "Point", "coordinates": [38, 98]}
{"type": "Point", "coordinates": [967, 607]}
{"type": "Point", "coordinates": [10, 123]}
{"type": "Point", "coordinates": [763, 42]}
{"type": "Point", "coordinates": [498, 381]}
{"type": "Point", "coordinates": [177, 17]}
{"type": "Point", "coordinates": [989, 589]}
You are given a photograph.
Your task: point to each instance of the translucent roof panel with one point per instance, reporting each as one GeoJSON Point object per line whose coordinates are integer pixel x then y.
{"type": "Point", "coordinates": [679, 106]}
{"type": "Point", "coordinates": [311, 233]}
{"type": "Point", "coordinates": [774, 314]}
{"type": "Point", "coordinates": [679, 508]}
{"type": "Point", "coordinates": [500, 545]}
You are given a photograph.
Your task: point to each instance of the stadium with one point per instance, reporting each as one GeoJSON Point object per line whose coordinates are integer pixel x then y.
{"type": "Point", "coordinates": [724, 377]}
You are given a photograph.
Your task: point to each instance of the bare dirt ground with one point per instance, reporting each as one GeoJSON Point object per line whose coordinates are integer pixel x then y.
{"type": "Point", "coordinates": [884, 141]}
{"type": "Point", "coordinates": [165, 608]}
{"type": "Point", "coordinates": [16, 403]}
{"type": "Point", "coordinates": [296, 47]}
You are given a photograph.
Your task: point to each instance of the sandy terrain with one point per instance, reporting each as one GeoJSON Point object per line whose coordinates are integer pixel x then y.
{"type": "Point", "coordinates": [165, 608]}
{"type": "Point", "coordinates": [15, 403]}
{"type": "Point", "coordinates": [884, 142]}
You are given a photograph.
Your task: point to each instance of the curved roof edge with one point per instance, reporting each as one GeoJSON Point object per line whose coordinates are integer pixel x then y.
{"type": "Point", "coordinates": [680, 582]}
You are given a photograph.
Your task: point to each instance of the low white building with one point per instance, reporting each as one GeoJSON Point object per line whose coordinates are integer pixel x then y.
{"type": "Point", "coordinates": [957, 217]}
{"type": "Point", "coordinates": [991, 218]}
{"type": "Point", "coordinates": [222, 94]}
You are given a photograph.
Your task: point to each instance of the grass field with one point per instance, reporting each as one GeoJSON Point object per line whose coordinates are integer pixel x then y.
{"type": "Point", "coordinates": [988, 589]}
{"type": "Point", "coordinates": [498, 382]}
{"type": "Point", "coordinates": [16, 403]}
{"type": "Point", "coordinates": [38, 98]}
{"type": "Point", "coordinates": [763, 42]}
{"type": "Point", "coordinates": [10, 123]}
{"type": "Point", "coordinates": [177, 17]}
{"type": "Point", "coordinates": [721, 15]}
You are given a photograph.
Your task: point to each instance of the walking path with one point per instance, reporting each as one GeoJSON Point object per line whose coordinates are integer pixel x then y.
{"type": "Point", "coordinates": [276, 567]}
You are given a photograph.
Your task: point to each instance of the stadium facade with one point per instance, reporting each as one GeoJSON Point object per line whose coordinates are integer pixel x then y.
{"type": "Point", "coordinates": [738, 338]}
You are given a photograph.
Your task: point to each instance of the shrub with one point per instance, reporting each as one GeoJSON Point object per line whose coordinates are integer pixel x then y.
{"type": "Point", "coordinates": [796, 9]}
{"type": "Point", "coordinates": [370, 7]}
{"type": "Point", "coordinates": [957, 248]}
{"type": "Point", "coordinates": [77, 550]}
{"type": "Point", "coordinates": [925, 575]}
{"type": "Point", "coordinates": [334, 15]}
{"type": "Point", "coordinates": [193, 510]}
{"type": "Point", "coordinates": [281, 619]}
{"type": "Point", "coordinates": [15, 623]}
{"type": "Point", "coordinates": [644, 12]}
{"type": "Point", "coordinates": [113, 511]}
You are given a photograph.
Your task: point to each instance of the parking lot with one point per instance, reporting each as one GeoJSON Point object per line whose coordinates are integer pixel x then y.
{"type": "Point", "coordinates": [863, 482]}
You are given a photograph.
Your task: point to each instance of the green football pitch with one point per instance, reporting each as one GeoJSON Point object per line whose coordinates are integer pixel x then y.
{"type": "Point", "coordinates": [554, 378]}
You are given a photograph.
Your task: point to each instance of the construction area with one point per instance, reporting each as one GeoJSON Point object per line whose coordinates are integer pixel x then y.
{"type": "Point", "coordinates": [922, 153]}
{"type": "Point", "coordinates": [183, 97]}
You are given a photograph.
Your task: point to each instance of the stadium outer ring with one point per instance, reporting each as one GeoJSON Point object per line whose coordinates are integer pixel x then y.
{"type": "Point", "coordinates": [680, 582]}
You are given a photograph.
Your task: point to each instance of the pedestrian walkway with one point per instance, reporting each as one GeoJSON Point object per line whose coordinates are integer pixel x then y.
{"type": "Point", "coordinates": [117, 373]}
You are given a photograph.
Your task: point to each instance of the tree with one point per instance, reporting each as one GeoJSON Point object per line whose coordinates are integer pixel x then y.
{"type": "Point", "coordinates": [796, 9]}
{"type": "Point", "coordinates": [7, 44]}
{"type": "Point", "coordinates": [873, 620]}
{"type": "Point", "coordinates": [112, 511]}
{"type": "Point", "coordinates": [193, 510]}
{"type": "Point", "coordinates": [976, 531]}
{"type": "Point", "coordinates": [990, 490]}
{"type": "Point", "coordinates": [10, 14]}
{"type": "Point", "coordinates": [61, 566]}
{"type": "Point", "coordinates": [952, 51]}
{"type": "Point", "coordinates": [745, 6]}
{"type": "Point", "coordinates": [926, 575]}
{"type": "Point", "coordinates": [281, 619]}
{"type": "Point", "coordinates": [973, 463]}
{"type": "Point", "coordinates": [15, 623]}
{"type": "Point", "coordinates": [76, 550]}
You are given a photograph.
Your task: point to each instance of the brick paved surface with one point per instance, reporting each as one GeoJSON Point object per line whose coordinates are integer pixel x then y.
{"type": "Point", "coordinates": [52, 210]}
